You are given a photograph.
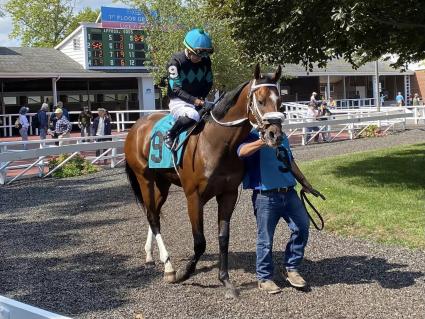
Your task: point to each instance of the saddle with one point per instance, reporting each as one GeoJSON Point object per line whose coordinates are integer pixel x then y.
{"type": "Point", "coordinates": [160, 156]}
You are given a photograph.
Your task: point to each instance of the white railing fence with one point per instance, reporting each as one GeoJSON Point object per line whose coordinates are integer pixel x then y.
{"type": "Point", "coordinates": [354, 124]}
{"type": "Point", "coordinates": [119, 119]}
{"type": "Point", "coordinates": [12, 309]}
{"type": "Point", "coordinates": [40, 151]}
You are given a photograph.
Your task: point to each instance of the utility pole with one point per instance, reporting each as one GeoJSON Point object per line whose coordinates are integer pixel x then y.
{"type": "Point", "coordinates": [376, 84]}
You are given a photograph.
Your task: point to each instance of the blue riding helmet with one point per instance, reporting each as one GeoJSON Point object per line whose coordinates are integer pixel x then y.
{"type": "Point", "coordinates": [198, 42]}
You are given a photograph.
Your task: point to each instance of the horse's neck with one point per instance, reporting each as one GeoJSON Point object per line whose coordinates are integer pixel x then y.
{"type": "Point", "coordinates": [230, 137]}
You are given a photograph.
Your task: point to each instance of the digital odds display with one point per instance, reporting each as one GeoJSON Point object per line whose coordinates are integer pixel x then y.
{"type": "Point", "coordinates": [116, 48]}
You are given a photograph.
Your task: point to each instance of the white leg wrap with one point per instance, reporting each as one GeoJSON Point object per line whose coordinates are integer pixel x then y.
{"type": "Point", "coordinates": [163, 253]}
{"type": "Point", "coordinates": [148, 246]}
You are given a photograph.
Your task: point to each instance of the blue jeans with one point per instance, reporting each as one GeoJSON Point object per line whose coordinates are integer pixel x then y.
{"type": "Point", "coordinates": [268, 209]}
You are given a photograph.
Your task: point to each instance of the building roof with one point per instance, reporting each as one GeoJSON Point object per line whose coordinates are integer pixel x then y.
{"type": "Point", "coordinates": [20, 62]}
{"type": "Point", "coordinates": [48, 62]}
{"type": "Point", "coordinates": [340, 67]}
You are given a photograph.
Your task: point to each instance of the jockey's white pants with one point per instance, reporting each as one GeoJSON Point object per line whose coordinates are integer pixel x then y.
{"type": "Point", "coordinates": [180, 108]}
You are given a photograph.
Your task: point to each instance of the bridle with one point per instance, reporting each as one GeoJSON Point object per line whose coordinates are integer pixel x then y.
{"type": "Point", "coordinates": [252, 106]}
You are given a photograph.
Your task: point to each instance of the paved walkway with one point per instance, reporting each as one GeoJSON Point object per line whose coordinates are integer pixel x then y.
{"type": "Point", "coordinates": [75, 246]}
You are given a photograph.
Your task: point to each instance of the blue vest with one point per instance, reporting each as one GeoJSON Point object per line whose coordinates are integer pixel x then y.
{"type": "Point", "coordinates": [262, 168]}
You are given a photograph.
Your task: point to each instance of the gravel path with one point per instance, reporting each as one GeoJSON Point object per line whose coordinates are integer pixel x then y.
{"type": "Point", "coordinates": [75, 246]}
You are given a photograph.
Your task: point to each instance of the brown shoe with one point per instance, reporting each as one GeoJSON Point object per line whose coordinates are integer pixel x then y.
{"type": "Point", "coordinates": [269, 286]}
{"type": "Point", "coordinates": [294, 278]}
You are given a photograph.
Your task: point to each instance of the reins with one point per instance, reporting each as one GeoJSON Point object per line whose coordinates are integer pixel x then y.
{"type": "Point", "coordinates": [304, 199]}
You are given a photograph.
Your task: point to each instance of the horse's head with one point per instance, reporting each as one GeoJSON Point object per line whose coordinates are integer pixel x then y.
{"type": "Point", "coordinates": [264, 104]}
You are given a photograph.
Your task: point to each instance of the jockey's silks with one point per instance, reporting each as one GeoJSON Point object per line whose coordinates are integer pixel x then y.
{"type": "Point", "coordinates": [187, 80]}
{"type": "Point", "coordinates": [262, 168]}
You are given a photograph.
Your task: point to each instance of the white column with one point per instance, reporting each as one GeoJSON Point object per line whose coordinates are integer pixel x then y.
{"type": "Point", "coordinates": [55, 92]}
{"type": "Point", "coordinates": [146, 92]}
{"type": "Point", "coordinates": [329, 88]}
{"type": "Point", "coordinates": [376, 88]}
{"type": "Point", "coordinates": [406, 88]}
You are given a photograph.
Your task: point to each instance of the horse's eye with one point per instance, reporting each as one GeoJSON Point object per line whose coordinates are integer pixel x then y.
{"type": "Point", "coordinates": [260, 102]}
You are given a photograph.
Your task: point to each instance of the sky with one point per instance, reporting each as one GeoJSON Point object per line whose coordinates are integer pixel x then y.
{"type": "Point", "coordinates": [6, 22]}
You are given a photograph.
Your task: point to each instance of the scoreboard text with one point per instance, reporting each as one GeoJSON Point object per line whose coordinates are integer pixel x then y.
{"type": "Point", "coordinates": [116, 48]}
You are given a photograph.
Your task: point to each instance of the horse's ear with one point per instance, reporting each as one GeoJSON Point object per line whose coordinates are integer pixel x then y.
{"type": "Point", "coordinates": [257, 71]}
{"type": "Point", "coordinates": [277, 74]}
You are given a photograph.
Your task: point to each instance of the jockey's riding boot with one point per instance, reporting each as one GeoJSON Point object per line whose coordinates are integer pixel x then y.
{"type": "Point", "coordinates": [181, 124]}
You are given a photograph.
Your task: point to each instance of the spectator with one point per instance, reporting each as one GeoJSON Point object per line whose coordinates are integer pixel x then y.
{"type": "Point", "coordinates": [65, 111]}
{"type": "Point", "coordinates": [399, 99]}
{"type": "Point", "coordinates": [313, 98]}
{"type": "Point", "coordinates": [311, 115]}
{"type": "Point", "coordinates": [332, 103]}
{"type": "Point", "coordinates": [324, 112]}
{"type": "Point", "coordinates": [101, 127]}
{"type": "Point", "coordinates": [24, 125]}
{"type": "Point", "coordinates": [84, 122]}
{"type": "Point", "coordinates": [63, 127]}
{"type": "Point", "coordinates": [416, 100]}
{"type": "Point", "coordinates": [43, 121]}
{"type": "Point", "coordinates": [382, 99]}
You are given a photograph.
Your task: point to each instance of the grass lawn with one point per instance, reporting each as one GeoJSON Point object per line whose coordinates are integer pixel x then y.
{"type": "Point", "coordinates": [378, 195]}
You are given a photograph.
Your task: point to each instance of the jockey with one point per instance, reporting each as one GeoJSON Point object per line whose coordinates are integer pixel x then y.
{"type": "Point", "coordinates": [189, 81]}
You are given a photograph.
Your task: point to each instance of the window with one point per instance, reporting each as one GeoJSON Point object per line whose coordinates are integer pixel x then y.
{"type": "Point", "coordinates": [109, 98]}
{"type": "Point", "coordinates": [73, 98]}
{"type": "Point", "coordinates": [85, 98]}
{"type": "Point", "coordinates": [10, 100]}
{"type": "Point", "coordinates": [34, 99]}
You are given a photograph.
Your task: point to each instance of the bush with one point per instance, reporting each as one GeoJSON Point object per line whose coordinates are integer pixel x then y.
{"type": "Point", "coordinates": [371, 131]}
{"type": "Point", "coordinates": [77, 166]}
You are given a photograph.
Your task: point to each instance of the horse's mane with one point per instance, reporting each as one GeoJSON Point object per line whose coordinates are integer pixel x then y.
{"type": "Point", "coordinates": [228, 101]}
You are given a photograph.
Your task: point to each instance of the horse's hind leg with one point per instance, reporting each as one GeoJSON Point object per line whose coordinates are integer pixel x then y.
{"type": "Point", "coordinates": [155, 191]}
{"type": "Point", "coordinates": [226, 204]}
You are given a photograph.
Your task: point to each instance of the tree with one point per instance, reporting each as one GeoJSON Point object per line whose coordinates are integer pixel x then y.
{"type": "Point", "coordinates": [45, 23]}
{"type": "Point", "coordinates": [85, 15]}
{"type": "Point", "coordinates": [169, 20]}
{"type": "Point", "coordinates": [308, 31]}
{"type": "Point", "coordinates": [40, 23]}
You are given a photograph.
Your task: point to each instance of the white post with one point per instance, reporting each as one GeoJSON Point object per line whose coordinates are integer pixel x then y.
{"type": "Point", "coordinates": [118, 122]}
{"type": "Point", "coordinates": [146, 92]}
{"type": "Point", "coordinates": [3, 171]}
{"type": "Point", "coordinates": [11, 124]}
{"type": "Point", "coordinates": [345, 93]}
{"type": "Point", "coordinates": [55, 92]}
{"type": "Point", "coordinates": [328, 88]}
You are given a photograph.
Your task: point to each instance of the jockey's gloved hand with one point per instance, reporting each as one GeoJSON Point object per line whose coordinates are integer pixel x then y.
{"type": "Point", "coordinates": [208, 106]}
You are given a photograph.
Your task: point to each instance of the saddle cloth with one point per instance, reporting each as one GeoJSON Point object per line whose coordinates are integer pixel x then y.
{"type": "Point", "coordinates": [159, 155]}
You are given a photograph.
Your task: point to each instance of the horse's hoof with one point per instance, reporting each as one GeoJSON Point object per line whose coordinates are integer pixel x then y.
{"type": "Point", "coordinates": [182, 275]}
{"type": "Point", "coordinates": [232, 293]}
{"type": "Point", "coordinates": [170, 277]}
{"type": "Point", "coordinates": [149, 264]}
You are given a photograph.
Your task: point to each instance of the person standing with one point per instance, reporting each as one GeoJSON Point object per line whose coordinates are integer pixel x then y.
{"type": "Point", "coordinates": [84, 122]}
{"type": "Point", "coordinates": [63, 127]}
{"type": "Point", "coordinates": [399, 99]}
{"type": "Point", "coordinates": [43, 121]}
{"type": "Point", "coordinates": [23, 125]}
{"type": "Point", "coordinates": [273, 198]}
{"type": "Point", "coordinates": [416, 100]}
{"type": "Point", "coordinates": [64, 110]}
{"type": "Point", "coordinates": [101, 127]}
{"type": "Point", "coordinates": [311, 116]}
{"type": "Point", "coordinates": [313, 98]}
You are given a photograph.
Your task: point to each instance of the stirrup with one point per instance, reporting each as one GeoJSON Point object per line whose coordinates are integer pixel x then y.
{"type": "Point", "coordinates": [169, 141]}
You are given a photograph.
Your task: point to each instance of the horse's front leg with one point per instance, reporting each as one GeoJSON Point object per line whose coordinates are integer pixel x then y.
{"type": "Point", "coordinates": [226, 204]}
{"type": "Point", "coordinates": [195, 210]}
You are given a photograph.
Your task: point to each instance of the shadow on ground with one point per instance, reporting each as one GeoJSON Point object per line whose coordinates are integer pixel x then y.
{"type": "Point", "coordinates": [349, 270]}
{"type": "Point", "coordinates": [398, 168]}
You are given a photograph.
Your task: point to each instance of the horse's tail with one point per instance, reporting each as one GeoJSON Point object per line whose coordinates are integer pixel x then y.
{"type": "Point", "coordinates": [134, 185]}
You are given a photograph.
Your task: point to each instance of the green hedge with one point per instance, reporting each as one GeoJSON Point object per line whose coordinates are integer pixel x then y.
{"type": "Point", "coordinates": [77, 166]}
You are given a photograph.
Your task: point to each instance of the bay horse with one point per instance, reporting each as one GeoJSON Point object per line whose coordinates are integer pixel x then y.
{"type": "Point", "coordinates": [210, 167]}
